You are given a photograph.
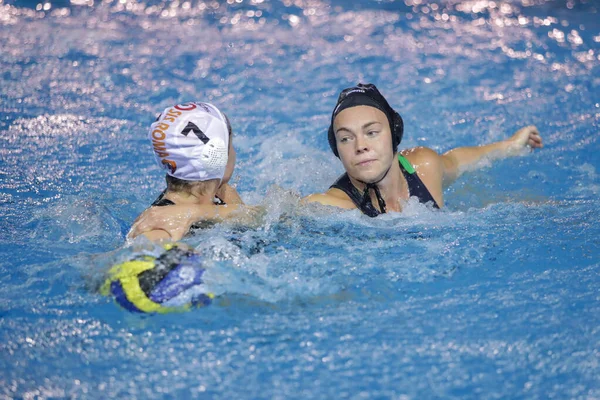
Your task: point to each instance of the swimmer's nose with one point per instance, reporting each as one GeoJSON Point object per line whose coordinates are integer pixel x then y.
{"type": "Point", "coordinates": [360, 144]}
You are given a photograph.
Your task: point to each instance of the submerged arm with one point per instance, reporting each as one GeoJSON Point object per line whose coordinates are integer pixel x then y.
{"type": "Point", "coordinates": [461, 159]}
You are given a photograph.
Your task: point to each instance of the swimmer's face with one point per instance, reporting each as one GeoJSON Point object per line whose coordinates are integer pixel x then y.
{"type": "Point", "coordinates": [364, 142]}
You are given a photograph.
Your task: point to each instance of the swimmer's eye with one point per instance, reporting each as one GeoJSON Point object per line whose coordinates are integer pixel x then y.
{"type": "Point", "coordinates": [372, 133]}
{"type": "Point", "coordinates": [344, 139]}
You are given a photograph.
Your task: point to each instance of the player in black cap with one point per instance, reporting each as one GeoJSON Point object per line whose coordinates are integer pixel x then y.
{"type": "Point", "coordinates": [364, 134]}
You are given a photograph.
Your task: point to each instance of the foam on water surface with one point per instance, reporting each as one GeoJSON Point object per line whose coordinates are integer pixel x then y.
{"type": "Point", "coordinates": [494, 296]}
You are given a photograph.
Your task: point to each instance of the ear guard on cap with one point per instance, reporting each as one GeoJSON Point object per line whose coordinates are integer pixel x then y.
{"type": "Point", "coordinates": [395, 120]}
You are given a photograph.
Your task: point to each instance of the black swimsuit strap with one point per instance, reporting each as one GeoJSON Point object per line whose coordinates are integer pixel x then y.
{"type": "Point", "coordinates": [343, 183]}
{"type": "Point", "coordinates": [161, 201]}
{"type": "Point", "coordinates": [416, 187]}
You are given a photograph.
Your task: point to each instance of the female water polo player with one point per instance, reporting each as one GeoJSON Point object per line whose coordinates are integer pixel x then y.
{"type": "Point", "coordinates": [364, 134]}
{"type": "Point", "coordinates": [193, 143]}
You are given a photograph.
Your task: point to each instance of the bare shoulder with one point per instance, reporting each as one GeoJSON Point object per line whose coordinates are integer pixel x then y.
{"type": "Point", "coordinates": [422, 157]}
{"type": "Point", "coordinates": [430, 168]}
{"type": "Point", "coordinates": [333, 197]}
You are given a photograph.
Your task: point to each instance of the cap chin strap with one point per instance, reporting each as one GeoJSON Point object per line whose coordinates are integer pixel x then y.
{"type": "Point", "coordinates": [373, 185]}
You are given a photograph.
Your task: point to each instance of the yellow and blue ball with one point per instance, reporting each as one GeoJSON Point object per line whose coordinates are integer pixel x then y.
{"type": "Point", "coordinates": [167, 283]}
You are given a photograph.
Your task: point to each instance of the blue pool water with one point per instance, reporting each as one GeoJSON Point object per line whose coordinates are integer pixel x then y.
{"type": "Point", "coordinates": [496, 296]}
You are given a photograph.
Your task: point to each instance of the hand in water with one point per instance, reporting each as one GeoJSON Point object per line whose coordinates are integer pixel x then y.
{"type": "Point", "coordinates": [525, 137]}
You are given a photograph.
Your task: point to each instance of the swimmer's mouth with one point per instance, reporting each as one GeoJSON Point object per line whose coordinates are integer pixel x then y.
{"type": "Point", "coordinates": [365, 163]}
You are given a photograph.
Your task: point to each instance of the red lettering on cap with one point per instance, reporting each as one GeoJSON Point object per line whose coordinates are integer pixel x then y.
{"type": "Point", "coordinates": [185, 107]}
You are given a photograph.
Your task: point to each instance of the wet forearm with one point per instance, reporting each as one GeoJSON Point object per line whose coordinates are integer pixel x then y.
{"type": "Point", "coordinates": [461, 159]}
{"type": "Point", "coordinates": [465, 156]}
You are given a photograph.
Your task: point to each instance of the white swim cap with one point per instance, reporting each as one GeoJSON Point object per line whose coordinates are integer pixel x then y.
{"type": "Point", "coordinates": [191, 141]}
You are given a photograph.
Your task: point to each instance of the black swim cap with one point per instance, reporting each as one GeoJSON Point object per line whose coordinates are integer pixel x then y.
{"type": "Point", "coordinates": [366, 95]}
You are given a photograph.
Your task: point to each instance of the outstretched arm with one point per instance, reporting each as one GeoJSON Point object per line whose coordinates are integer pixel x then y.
{"type": "Point", "coordinates": [461, 159]}
{"type": "Point", "coordinates": [173, 222]}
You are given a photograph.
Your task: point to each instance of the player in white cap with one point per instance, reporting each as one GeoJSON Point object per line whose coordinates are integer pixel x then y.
{"type": "Point", "coordinates": [192, 143]}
